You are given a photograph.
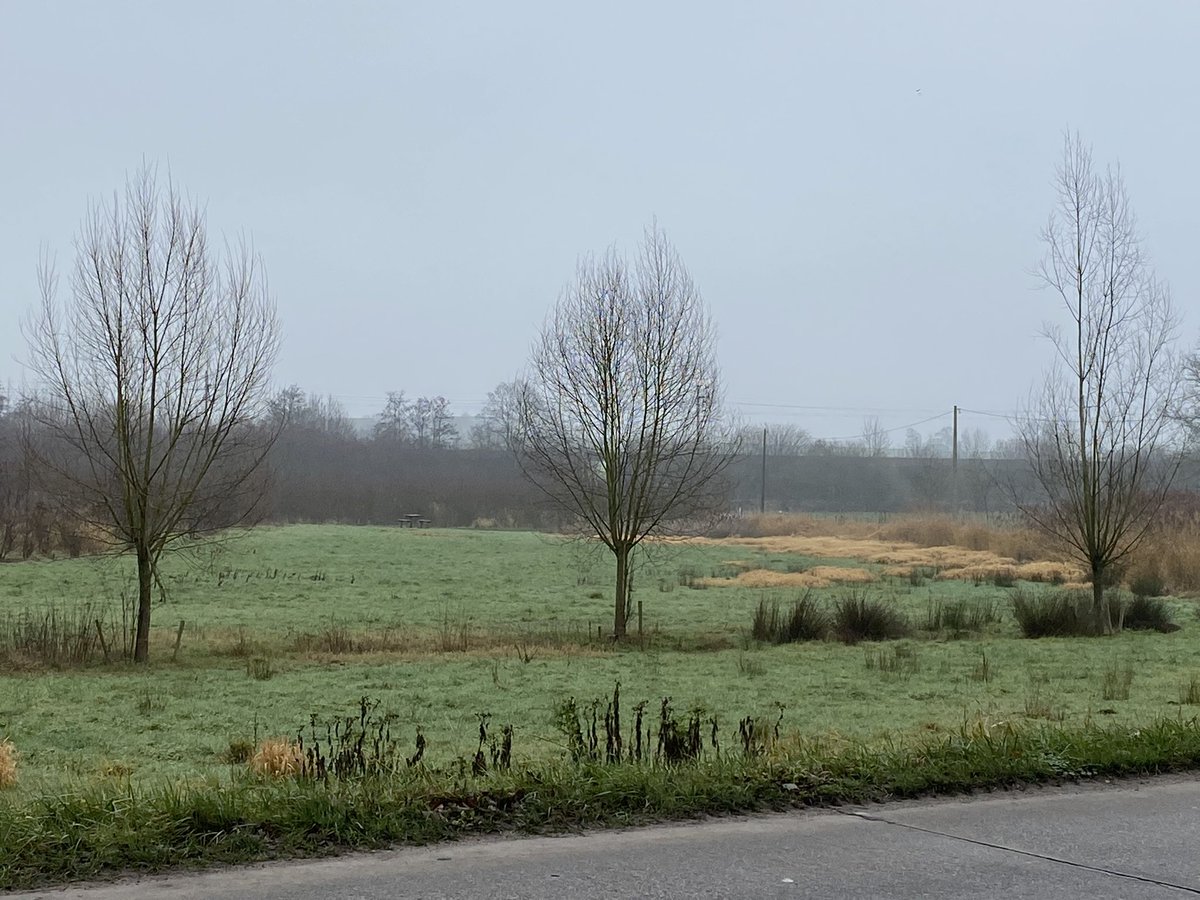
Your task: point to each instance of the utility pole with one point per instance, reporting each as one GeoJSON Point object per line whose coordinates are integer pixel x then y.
{"type": "Point", "coordinates": [762, 503]}
{"type": "Point", "coordinates": [955, 451]}
{"type": "Point", "coordinates": [954, 464]}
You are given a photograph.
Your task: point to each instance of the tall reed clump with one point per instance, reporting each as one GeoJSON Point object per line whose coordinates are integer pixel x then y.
{"type": "Point", "coordinates": [61, 636]}
{"type": "Point", "coordinates": [1067, 613]}
{"type": "Point", "coordinates": [806, 620]}
{"type": "Point", "coordinates": [856, 617]}
{"type": "Point", "coordinates": [8, 764]}
{"type": "Point", "coordinates": [1052, 614]}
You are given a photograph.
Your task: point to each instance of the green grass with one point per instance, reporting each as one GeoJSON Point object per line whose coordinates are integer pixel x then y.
{"type": "Point", "coordinates": [118, 827]}
{"type": "Point", "coordinates": [528, 607]}
{"type": "Point", "coordinates": [441, 625]}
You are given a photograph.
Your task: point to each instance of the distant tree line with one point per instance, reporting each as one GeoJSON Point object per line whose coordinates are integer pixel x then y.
{"type": "Point", "coordinates": [322, 469]}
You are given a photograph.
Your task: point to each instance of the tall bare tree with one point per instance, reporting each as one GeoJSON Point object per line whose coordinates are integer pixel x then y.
{"type": "Point", "coordinates": [1101, 436]}
{"type": "Point", "coordinates": [498, 418]}
{"type": "Point", "coordinates": [152, 373]}
{"type": "Point", "coordinates": [875, 437]}
{"type": "Point", "coordinates": [620, 415]}
{"type": "Point", "coordinates": [394, 424]}
{"type": "Point", "coordinates": [432, 424]}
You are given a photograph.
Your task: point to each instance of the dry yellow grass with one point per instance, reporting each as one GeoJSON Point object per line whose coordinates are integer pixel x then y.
{"type": "Point", "coordinates": [817, 576]}
{"type": "Point", "coordinates": [1171, 552]}
{"type": "Point", "coordinates": [1052, 572]}
{"type": "Point", "coordinates": [969, 549]}
{"type": "Point", "coordinates": [1015, 542]}
{"type": "Point", "coordinates": [277, 758]}
{"type": "Point", "coordinates": [973, 551]}
{"type": "Point", "coordinates": [8, 764]}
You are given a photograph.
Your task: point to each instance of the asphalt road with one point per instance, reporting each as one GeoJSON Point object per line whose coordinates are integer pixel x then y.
{"type": "Point", "coordinates": [1129, 841]}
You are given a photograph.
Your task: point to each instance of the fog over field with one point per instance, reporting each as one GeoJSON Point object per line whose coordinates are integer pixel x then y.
{"type": "Point", "coordinates": [856, 188]}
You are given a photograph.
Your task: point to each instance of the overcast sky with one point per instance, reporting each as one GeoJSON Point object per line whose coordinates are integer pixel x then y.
{"type": "Point", "coordinates": [857, 188]}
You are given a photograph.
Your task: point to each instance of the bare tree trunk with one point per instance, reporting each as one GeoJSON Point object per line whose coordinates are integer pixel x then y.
{"type": "Point", "coordinates": [1100, 611]}
{"type": "Point", "coordinates": [145, 566]}
{"type": "Point", "coordinates": [620, 612]}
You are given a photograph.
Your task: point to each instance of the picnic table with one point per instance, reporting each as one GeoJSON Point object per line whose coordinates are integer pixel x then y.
{"type": "Point", "coordinates": [414, 520]}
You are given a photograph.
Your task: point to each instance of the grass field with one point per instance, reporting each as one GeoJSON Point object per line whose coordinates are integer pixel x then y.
{"type": "Point", "coordinates": [439, 625]}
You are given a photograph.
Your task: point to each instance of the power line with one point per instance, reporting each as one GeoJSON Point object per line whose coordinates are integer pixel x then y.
{"type": "Point", "coordinates": [851, 437]}
{"type": "Point", "coordinates": [849, 409]}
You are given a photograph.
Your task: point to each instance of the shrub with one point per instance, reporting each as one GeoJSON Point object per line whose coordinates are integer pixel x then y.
{"type": "Point", "coordinates": [277, 758]}
{"type": "Point", "coordinates": [1147, 613]}
{"type": "Point", "coordinates": [1053, 614]}
{"type": "Point", "coordinates": [8, 764]}
{"type": "Point", "coordinates": [857, 618]}
{"type": "Point", "coordinates": [1148, 583]}
{"type": "Point", "coordinates": [1068, 614]}
{"type": "Point", "coordinates": [807, 620]}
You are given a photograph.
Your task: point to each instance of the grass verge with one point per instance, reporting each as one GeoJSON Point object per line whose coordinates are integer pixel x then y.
{"type": "Point", "coordinates": [118, 827]}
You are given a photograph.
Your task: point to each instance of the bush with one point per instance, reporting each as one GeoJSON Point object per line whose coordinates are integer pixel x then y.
{"type": "Point", "coordinates": [1053, 614]}
{"type": "Point", "coordinates": [1068, 614]}
{"type": "Point", "coordinates": [857, 618]}
{"type": "Point", "coordinates": [1148, 583]}
{"type": "Point", "coordinates": [1146, 613]}
{"type": "Point", "coordinates": [807, 620]}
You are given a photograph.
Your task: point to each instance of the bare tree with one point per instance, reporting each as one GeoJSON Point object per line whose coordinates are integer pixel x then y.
{"type": "Point", "coordinates": [293, 409]}
{"type": "Point", "coordinates": [499, 417]}
{"type": "Point", "coordinates": [620, 417]}
{"type": "Point", "coordinates": [782, 439]}
{"type": "Point", "coordinates": [875, 437]}
{"type": "Point", "coordinates": [1100, 434]}
{"type": "Point", "coordinates": [395, 422]}
{"type": "Point", "coordinates": [152, 374]}
{"type": "Point", "coordinates": [431, 424]}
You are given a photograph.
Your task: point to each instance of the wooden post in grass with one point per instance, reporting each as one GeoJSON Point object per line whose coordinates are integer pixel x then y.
{"type": "Point", "coordinates": [639, 618]}
{"type": "Point", "coordinates": [178, 640]}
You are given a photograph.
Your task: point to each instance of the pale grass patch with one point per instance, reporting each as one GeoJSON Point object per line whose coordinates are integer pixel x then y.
{"type": "Point", "coordinates": [1173, 552]}
{"type": "Point", "coordinates": [277, 758]}
{"type": "Point", "coordinates": [950, 561]}
{"type": "Point", "coordinates": [1045, 571]}
{"type": "Point", "coordinates": [1014, 542]}
{"type": "Point", "coordinates": [8, 764]}
{"type": "Point", "coordinates": [816, 577]}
